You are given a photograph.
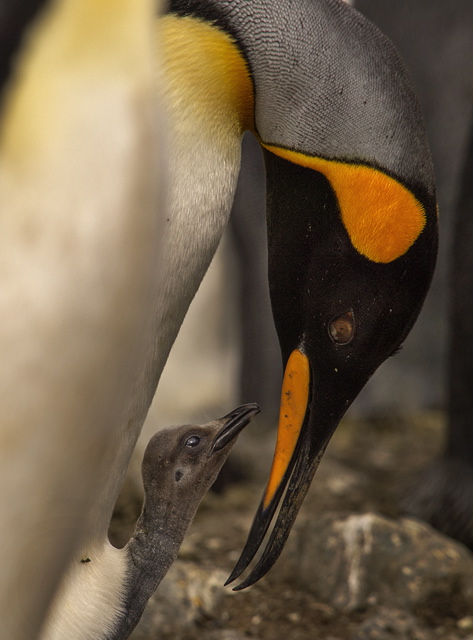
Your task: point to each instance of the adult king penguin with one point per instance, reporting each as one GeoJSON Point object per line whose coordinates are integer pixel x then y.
{"type": "Point", "coordinates": [352, 221]}
{"type": "Point", "coordinates": [352, 226]}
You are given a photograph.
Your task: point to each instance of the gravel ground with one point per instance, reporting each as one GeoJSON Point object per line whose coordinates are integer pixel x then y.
{"type": "Point", "coordinates": [363, 472]}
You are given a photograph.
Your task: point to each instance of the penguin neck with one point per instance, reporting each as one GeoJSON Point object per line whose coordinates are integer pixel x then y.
{"type": "Point", "coordinates": [207, 78]}
{"type": "Point", "coordinates": [161, 527]}
{"type": "Point", "coordinates": [208, 99]}
{"type": "Point", "coordinates": [154, 546]}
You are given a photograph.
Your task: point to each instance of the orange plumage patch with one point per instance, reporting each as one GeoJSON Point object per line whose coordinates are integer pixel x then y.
{"type": "Point", "coordinates": [382, 217]}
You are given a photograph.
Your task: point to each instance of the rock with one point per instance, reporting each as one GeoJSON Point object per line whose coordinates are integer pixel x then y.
{"type": "Point", "coordinates": [188, 594]}
{"type": "Point", "coordinates": [226, 634]}
{"type": "Point", "coordinates": [466, 623]}
{"type": "Point", "coordinates": [356, 561]}
{"type": "Point", "coordinates": [442, 495]}
{"type": "Point", "coordinates": [391, 625]}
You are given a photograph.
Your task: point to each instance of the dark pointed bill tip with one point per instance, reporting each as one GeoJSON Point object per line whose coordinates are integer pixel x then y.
{"type": "Point", "coordinates": [291, 468]}
{"type": "Point", "coordinates": [297, 480]}
{"type": "Point", "coordinates": [235, 422]}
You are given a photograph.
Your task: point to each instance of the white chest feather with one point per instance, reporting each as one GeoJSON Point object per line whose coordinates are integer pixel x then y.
{"type": "Point", "coordinates": [87, 606]}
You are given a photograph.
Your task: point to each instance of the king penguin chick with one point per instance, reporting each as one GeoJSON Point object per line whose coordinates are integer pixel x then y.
{"type": "Point", "coordinates": [179, 466]}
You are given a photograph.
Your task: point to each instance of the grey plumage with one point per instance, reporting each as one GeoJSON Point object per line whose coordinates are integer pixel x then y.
{"type": "Point", "coordinates": [329, 83]}
{"type": "Point", "coordinates": [179, 466]}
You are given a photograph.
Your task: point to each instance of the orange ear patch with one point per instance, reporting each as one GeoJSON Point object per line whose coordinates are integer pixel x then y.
{"type": "Point", "coordinates": [294, 399]}
{"type": "Point", "coordinates": [382, 217]}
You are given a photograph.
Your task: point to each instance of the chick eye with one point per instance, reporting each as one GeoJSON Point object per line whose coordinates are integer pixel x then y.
{"type": "Point", "coordinates": [342, 328]}
{"type": "Point", "coordinates": [193, 441]}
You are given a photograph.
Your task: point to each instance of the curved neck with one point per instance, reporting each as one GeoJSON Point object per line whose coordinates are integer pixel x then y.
{"type": "Point", "coordinates": [158, 535]}
{"type": "Point", "coordinates": [327, 82]}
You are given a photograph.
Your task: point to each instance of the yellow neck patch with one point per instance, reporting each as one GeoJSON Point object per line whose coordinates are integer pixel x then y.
{"type": "Point", "coordinates": [206, 61]}
{"type": "Point", "coordinates": [381, 216]}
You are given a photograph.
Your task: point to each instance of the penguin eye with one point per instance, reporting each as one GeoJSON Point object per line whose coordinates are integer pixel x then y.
{"type": "Point", "coordinates": [193, 441]}
{"type": "Point", "coordinates": [342, 328]}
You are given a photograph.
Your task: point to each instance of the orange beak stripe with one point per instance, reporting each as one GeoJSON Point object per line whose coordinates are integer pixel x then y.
{"type": "Point", "coordinates": [294, 399]}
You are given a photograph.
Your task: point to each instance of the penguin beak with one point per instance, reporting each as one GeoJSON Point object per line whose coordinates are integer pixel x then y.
{"type": "Point", "coordinates": [234, 423]}
{"type": "Point", "coordinates": [318, 280]}
{"type": "Point", "coordinates": [296, 459]}
{"type": "Point", "coordinates": [312, 405]}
